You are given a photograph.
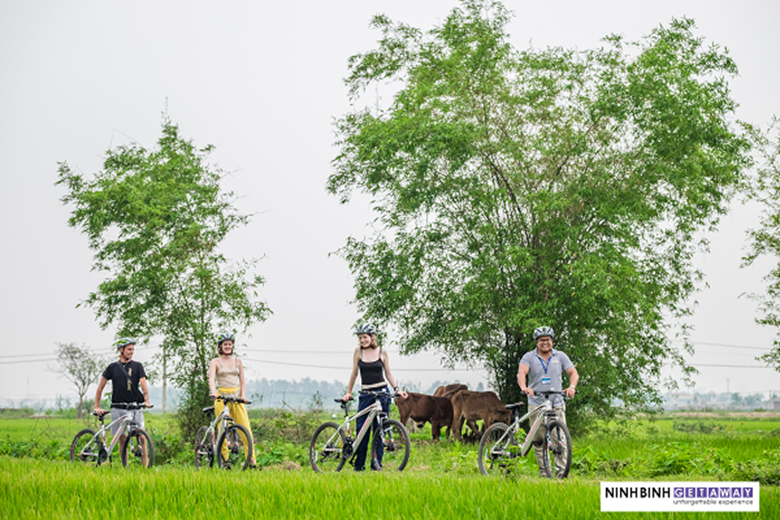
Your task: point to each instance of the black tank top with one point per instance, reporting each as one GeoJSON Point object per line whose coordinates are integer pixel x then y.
{"type": "Point", "coordinates": [372, 373]}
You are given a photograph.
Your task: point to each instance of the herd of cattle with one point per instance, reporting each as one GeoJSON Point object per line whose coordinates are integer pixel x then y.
{"type": "Point", "coordinates": [451, 406]}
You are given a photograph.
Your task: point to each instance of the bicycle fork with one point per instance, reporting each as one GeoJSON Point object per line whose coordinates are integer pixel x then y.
{"type": "Point", "coordinates": [526, 447]}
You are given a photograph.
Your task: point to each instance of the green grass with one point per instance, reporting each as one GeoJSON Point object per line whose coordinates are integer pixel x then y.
{"type": "Point", "coordinates": [42, 489]}
{"type": "Point", "coordinates": [441, 481]}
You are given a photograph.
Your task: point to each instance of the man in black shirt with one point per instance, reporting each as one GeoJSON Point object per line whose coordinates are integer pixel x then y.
{"type": "Point", "coordinates": [126, 376]}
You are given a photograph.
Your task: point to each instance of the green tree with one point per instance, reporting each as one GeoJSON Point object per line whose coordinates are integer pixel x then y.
{"type": "Point", "coordinates": [546, 186]}
{"type": "Point", "coordinates": [81, 367]}
{"type": "Point", "coordinates": [155, 220]}
{"type": "Point", "coordinates": [765, 241]}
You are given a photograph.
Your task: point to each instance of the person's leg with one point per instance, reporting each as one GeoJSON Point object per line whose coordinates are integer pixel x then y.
{"type": "Point", "coordinates": [240, 416]}
{"type": "Point", "coordinates": [364, 401]}
{"type": "Point", "coordinates": [377, 464]}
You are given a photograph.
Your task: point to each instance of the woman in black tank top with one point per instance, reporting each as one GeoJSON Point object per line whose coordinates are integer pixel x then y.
{"type": "Point", "coordinates": [373, 364]}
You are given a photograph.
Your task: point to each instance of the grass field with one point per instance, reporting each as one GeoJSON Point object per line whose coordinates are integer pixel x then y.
{"type": "Point", "coordinates": [41, 489]}
{"type": "Point", "coordinates": [441, 480]}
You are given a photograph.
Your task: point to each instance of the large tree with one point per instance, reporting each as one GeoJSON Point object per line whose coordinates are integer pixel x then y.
{"type": "Point", "coordinates": [765, 240]}
{"type": "Point", "coordinates": [155, 220]}
{"type": "Point", "coordinates": [516, 188]}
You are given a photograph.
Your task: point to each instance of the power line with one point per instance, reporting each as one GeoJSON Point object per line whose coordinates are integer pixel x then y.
{"type": "Point", "coordinates": [27, 361]}
{"type": "Point", "coordinates": [345, 367]}
{"type": "Point", "coordinates": [729, 366]}
{"type": "Point", "coordinates": [746, 347]}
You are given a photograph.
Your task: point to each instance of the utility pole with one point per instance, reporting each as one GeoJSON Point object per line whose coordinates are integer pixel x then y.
{"type": "Point", "coordinates": [165, 380]}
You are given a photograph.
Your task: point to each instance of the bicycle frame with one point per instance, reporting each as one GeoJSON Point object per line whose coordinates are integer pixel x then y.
{"type": "Point", "coordinates": [219, 423]}
{"type": "Point", "coordinates": [372, 410]}
{"type": "Point", "coordinates": [545, 407]}
{"type": "Point", "coordinates": [126, 423]}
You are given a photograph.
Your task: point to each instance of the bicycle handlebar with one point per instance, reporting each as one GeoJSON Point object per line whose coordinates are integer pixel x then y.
{"type": "Point", "coordinates": [231, 399]}
{"type": "Point", "coordinates": [547, 393]}
{"type": "Point", "coordinates": [123, 406]}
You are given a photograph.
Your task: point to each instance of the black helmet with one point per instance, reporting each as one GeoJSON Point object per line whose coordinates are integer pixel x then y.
{"type": "Point", "coordinates": [544, 331]}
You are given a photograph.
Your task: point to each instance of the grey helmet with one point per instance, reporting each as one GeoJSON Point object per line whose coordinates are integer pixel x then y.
{"type": "Point", "coordinates": [544, 331]}
{"type": "Point", "coordinates": [122, 343]}
{"type": "Point", "coordinates": [225, 336]}
{"type": "Point", "coordinates": [366, 328]}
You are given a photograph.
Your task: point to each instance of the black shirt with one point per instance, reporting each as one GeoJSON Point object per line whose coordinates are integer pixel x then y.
{"type": "Point", "coordinates": [125, 385]}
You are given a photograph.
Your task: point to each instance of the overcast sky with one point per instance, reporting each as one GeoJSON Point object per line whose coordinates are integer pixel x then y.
{"type": "Point", "coordinates": [263, 81]}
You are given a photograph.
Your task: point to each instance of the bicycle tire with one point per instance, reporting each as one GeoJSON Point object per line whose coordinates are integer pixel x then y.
{"type": "Point", "coordinates": [557, 442]}
{"type": "Point", "coordinates": [132, 454]}
{"type": "Point", "coordinates": [239, 447]}
{"type": "Point", "coordinates": [204, 448]}
{"type": "Point", "coordinates": [83, 450]}
{"type": "Point", "coordinates": [326, 450]}
{"type": "Point", "coordinates": [394, 441]}
{"type": "Point", "coordinates": [497, 457]}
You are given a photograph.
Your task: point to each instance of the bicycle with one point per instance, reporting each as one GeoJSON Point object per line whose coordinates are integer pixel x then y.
{"type": "Point", "coordinates": [89, 446]}
{"type": "Point", "coordinates": [499, 448]}
{"type": "Point", "coordinates": [332, 445]}
{"type": "Point", "coordinates": [233, 440]}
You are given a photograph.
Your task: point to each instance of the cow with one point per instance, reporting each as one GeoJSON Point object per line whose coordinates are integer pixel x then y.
{"type": "Point", "coordinates": [424, 408]}
{"type": "Point", "coordinates": [449, 390]}
{"type": "Point", "coordinates": [470, 407]}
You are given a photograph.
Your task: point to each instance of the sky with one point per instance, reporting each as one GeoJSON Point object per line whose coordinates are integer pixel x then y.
{"type": "Point", "coordinates": [263, 82]}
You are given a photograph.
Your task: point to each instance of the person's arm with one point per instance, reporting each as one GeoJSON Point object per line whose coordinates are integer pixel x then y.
{"type": "Point", "coordinates": [522, 374]}
{"type": "Point", "coordinates": [353, 376]}
{"type": "Point", "coordinates": [389, 375]}
{"type": "Point", "coordinates": [241, 383]}
{"type": "Point", "coordinates": [99, 394]}
{"type": "Point", "coordinates": [145, 390]}
{"type": "Point", "coordinates": [212, 378]}
{"type": "Point", "coordinates": [574, 378]}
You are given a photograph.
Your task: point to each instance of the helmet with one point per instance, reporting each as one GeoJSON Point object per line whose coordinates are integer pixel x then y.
{"type": "Point", "coordinates": [366, 328]}
{"type": "Point", "coordinates": [543, 331]}
{"type": "Point", "coordinates": [122, 343]}
{"type": "Point", "coordinates": [225, 336]}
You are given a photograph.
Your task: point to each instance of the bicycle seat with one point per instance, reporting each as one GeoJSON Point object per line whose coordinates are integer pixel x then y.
{"type": "Point", "coordinates": [208, 410]}
{"type": "Point", "coordinates": [514, 405]}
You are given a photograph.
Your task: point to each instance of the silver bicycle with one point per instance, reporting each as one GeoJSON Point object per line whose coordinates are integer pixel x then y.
{"type": "Point", "coordinates": [90, 447]}
{"type": "Point", "coordinates": [232, 449]}
{"type": "Point", "coordinates": [332, 445]}
{"type": "Point", "coordinates": [499, 447]}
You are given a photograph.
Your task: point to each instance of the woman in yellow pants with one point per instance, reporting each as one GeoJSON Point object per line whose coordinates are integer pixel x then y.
{"type": "Point", "coordinates": [226, 376]}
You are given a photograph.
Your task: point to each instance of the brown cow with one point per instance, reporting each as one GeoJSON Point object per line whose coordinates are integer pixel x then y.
{"type": "Point", "coordinates": [469, 407]}
{"type": "Point", "coordinates": [449, 390]}
{"type": "Point", "coordinates": [426, 408]}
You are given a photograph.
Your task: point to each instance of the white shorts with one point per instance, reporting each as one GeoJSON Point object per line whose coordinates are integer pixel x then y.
{"type": "Point", "coordinates": [136, 415]}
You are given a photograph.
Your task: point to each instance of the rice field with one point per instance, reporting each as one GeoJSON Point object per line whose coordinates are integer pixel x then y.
{"type": "Point", "coordinates": [441, 481]}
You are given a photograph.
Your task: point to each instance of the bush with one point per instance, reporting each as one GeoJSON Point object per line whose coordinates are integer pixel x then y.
{"type": "Point", "coordinates": [697, 427]}
{"type": "Point", "coordinates": [675, 458]}
{"type": "Point", "coordinates": [765, 470]}
{"type": "Point", "coordinates": [36, 448]}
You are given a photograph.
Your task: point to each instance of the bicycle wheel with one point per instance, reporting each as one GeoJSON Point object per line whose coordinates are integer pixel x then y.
{"type": "Point", "coordinates": [83, 449]}
{"type": "Point", "coordinates": [137, 450]}
{"type": "Point", "coordinates": [326, 451]}
{"type": "Point", "coordinates": [558, 452]}
{"type": "Point", "coordinates": [234, 448]}
{"type": "Point", "coordinates": [204, 448]}
{"type": "Point", "coordinates": [497, 453]}
{"type": "Point", "coordinates": [391, 447]}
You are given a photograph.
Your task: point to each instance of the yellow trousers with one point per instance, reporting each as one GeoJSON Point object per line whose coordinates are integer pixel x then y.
{"type": "Point", "coordinates": [239, 415]}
